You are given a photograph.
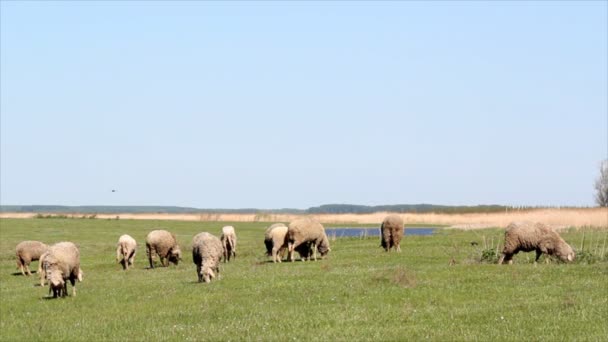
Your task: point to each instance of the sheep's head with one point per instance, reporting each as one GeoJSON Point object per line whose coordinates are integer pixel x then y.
{"type": "Point", "coordinates": [207, 274]}
{"type": "Point", "coordinates": [565, 252]}
{"type": "Point", "coordinates": [324, 247]}
{"type": "Point", "coordinates": [56, 283]}
{"type": "Point", "coordinates": [176, 255]}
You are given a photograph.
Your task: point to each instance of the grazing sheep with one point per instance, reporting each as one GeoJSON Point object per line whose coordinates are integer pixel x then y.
{"type": "Point", "coordinates": [126, 247]}
{"type": "Point", "coordinates": [164, 244]}
{"type": "Point", "coordinates": [228, 239]}
{"type": "Point", "coordinates": [528, 236]}
{"type": "Point", "coordinates": [28, 251]}
{"type": "Point", "coordinates": [275, 240]}
{"type": "Point", "coordinates": [304, 231]}
{"type": "Point", "coordinates": [391, 233]}
{"type": "Point", "coordinates": [207, 251]}
{"type": "Point", "coordinates": [62, 263]}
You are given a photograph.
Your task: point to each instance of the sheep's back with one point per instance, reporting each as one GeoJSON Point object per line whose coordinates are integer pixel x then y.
{"type": "Point", "coordinates": [161, 240]}
{"type": "Point", "coordinates": [64, 255]}
{"type": "Point", "coordinates": [32, 249]}
{"type": "Point", "coordinates": [228, 230]}
{"type": "Point", "coordinates": [206, 245]}
{"type": "Point", "coordinates": [305, 230]}
{"type": "Point", "coordinates": [525, 235]}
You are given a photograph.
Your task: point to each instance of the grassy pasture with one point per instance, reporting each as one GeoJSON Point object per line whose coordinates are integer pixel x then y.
{"type": "Point", "coordinates": [435, 289]}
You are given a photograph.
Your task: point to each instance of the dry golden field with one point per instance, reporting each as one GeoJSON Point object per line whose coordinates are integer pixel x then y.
{"type": "Point", "coordinates": [557, 218]}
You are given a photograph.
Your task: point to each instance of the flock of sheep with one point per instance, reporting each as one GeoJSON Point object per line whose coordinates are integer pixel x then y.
{"type": "Point", "coordinates": [61, 261]}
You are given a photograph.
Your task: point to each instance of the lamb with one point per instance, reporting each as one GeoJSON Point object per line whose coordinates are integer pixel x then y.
{"type": "Point", "coordinates": [207, 251]}
{"type": "Point", "coordinates": [228, 239]}
{"type": "Point", "coordinates": [304, 231]}
{"type": "Point", "coordinates": [164, 244]}
{"type": "Point", "coordinates": [126, 247]}
{"type": "Point", "coordinates": [275, 239]}
{"type": "Point", "coordinates": [61, 264]}
{"type": "Point", "coordinates": [28, 251]}
{"type": "Point", "coordinates": [391, 233]}
{"type": "Point", "coordinates": [528, 236]}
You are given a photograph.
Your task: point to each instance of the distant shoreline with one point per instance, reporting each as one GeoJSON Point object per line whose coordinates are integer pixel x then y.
{"type": "Point", "coordinates": [557, 218]}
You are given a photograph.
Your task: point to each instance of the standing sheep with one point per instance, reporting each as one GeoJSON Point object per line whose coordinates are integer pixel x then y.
{"type": "Point", "coordinates": [126, 248]}
{"type": "Point", "coordinates": [391, 233]}
{"type": "Point", "coordinates": [528, 236]}
{"type": "Point", "coordinates": [207, 251]}
{"type": "Point", "coordinates": [275, 240]}
{"type": "Point", "coordinates": [228, 239]}
{"type": "Point", "coordinates": [164, 244]}
{"type": "Point", "coordinates": [28, 251]}
{"type": "Point", "coordinates": [304, 231]}
{"type": "Point", "coordinates": [61, 264]}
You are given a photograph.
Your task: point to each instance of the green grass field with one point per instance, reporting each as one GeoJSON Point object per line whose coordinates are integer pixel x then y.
{"type": "Point", "coordinates": [435, 289]}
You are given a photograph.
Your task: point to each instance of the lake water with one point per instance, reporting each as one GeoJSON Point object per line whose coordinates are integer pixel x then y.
{"type": "Point", "coordinates": [359, 232]}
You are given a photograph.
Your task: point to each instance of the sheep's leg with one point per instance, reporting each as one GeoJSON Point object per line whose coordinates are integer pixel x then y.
{"type": "Point", "coordinates": [125, 261]}
{"type": "Point", "coordinates": [290, 250]}
{"type": "Point", "coordinates": [538, 254]}
{"type": "Point", "coordinates": [73, 282]}
{"type": "Point", "coordinates": [274, 255]}
{"type": "Point", "coordinates": [42, 276]}
{"type": "Point", "coordinates": [508, 257]}
{"type": "Point", "coordinates": [398, 248]}
{"type": "Point", "coordinates": [198, 273]}
{"type": "Point", "coordinates": [150, 258]}
{"type": "Point", "coordinates": [132, 258]}
{"type": "Point", "coordinates": [314, 251]}
{"type": "Point", "coordinates": [27, 270]}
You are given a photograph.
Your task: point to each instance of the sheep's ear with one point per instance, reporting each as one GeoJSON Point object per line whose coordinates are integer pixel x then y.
{"type": "Point", "coordinates": [570, 258]}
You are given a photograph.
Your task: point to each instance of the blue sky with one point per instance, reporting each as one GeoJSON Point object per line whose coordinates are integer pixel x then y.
{"type": "Point", "coordinates": [297, 104]}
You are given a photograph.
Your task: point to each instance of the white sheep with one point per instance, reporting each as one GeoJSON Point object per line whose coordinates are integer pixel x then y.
{"type": "Point", "coordinates": [164, 244]}
{"type": "Point", "coordinates": [28, 251]}
{"type": "Point", "coordinates": [306, 231]}
{"type": "Point", "coordinates": [207, 251]}
{"type": "Point", "coordinates": [275, 240]}
{"type": "Point", "coordinates": [126, 248]}
{"type": "Point", "coordinates": [61, 264]}
{"type": "Point", "coordinates": [391, 233]}
{"type": "Point", "coordinates": [528, 236]}
{"type": "Point", "coordinates": [228, 239]}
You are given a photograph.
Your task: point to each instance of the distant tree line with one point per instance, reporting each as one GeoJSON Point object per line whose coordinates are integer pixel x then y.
{"type": "Point", "coordinates": [323, 209]}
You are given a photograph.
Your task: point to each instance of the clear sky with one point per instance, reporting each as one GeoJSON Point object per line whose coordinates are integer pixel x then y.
{"type": "Point", "coordinates": [297, 104]}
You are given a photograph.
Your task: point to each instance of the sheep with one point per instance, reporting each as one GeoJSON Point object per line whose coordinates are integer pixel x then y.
{"type": "Point", "coordinates": [165, 245]}
{"type": "Point", "coordinates": [207, 251]}
{"type": "Point", "coordinates": [228, 239]}
{"type": "Point", "coordinates": [391, 233]}
{"type": "Point", "coordinates": [42, 270]}
{"type": "Point", "coordinates": [304, 231]}
{"type": "Point", "coordinates": [529, 236]}
{"type": "Point", "coordinates": [28, 251]}
{"type": "Point", "coordinates": [126, 247]}
{"type": "Point", "coordinates": [275, 239]}
{"type": "Point", "coordinates": [62, 263]}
